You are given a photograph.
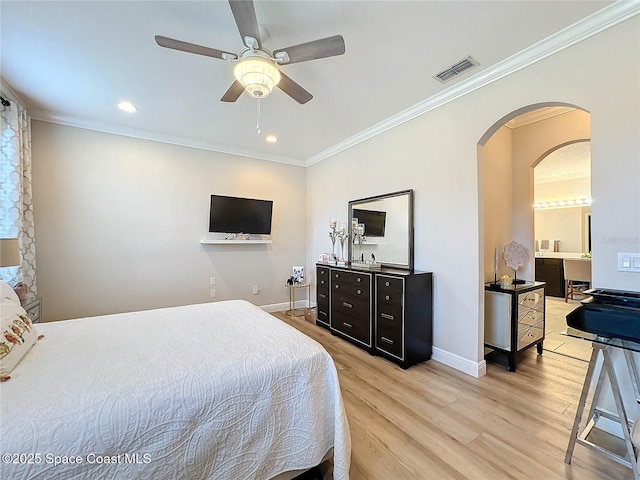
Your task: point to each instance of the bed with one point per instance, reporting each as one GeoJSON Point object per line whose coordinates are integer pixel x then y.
{"type": "Point", "coordinates": [211, 391]}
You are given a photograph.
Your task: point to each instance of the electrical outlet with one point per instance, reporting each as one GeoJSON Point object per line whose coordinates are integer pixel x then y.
{"type": "Point", "coordinates": [212, 281]}
{"type": "Point", "coordinates": [256, 289]}
{"type": "Point", "coordinates": [213, 294]}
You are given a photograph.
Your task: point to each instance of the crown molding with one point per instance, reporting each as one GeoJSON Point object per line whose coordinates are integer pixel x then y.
{"type": "Point", "coordinates": [158, 137]}
{"type": "Point", "coordinates": [583, 29]}
{"type": "Point", "coordinates": [537, 116]}
{"type": "Point", "coordinates": [9, 92]}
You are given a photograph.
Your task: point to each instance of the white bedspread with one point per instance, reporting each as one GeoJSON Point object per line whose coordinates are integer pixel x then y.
{"type": "Point", "coordinates": [219, 390]}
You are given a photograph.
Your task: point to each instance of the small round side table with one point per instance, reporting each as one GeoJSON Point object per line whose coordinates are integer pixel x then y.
{"type": "Point", "coordinates": [293, 311]}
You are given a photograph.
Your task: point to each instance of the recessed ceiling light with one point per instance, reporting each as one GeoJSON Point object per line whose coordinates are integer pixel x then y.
{"type": "Point", "coordinates": [127, 107]}
{"type": "Point", "coordinates": [271, 138]}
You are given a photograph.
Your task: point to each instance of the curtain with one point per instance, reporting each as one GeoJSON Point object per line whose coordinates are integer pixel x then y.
{"type": "Point", "coordinates": [16, 201]}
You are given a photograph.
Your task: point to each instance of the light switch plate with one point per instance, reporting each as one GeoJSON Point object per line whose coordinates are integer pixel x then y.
{"type": "Point", "coordinates": [629, 262]}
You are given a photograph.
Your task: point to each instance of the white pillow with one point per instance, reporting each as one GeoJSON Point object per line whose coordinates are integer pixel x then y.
{"type": "Point", "coordinates": [17, 335]}
{"type": "Point", "coordinates": [6, 292]}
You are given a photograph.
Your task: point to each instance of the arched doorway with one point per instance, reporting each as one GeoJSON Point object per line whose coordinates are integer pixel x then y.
{"type": "Point", "coordinates": [507, 154]}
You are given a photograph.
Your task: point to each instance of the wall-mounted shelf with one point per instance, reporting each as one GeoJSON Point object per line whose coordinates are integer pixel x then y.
{"type": "Point", "coordinates": [234, 242]}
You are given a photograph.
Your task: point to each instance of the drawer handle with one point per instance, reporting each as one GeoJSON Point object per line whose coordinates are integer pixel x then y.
{"type": "Point", "coordinates": [337, 275]}
{"type": "Point", "coordinates": [387, 340]}
{"type": "Point", "coordinates": [323, 313]}
{"type": "Point", "coordinates": [387, 297]}
{"type": "Point", "coordinates": [348, 325]}
{"type": "Point", "coordinates": [359, 279]}
{"type": "Point", "coordinates": [322, 295]}
{"type": "Point", "coordinates": [337, 286]}
{"type": "Point", "coordinates": [387, 284]}
{"type": "Point", "coordinates": [387, 316]}
{"type": "Point", "coordinates": [346, 304]}
{"type": "Point", "coordinates": [359, 292]}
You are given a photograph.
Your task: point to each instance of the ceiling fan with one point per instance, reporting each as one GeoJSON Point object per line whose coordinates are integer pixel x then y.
{"type": "Point", "coordinates": [257, 70]}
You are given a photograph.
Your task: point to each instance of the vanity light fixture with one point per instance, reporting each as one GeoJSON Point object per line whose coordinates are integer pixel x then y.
{"type": "Point", "coordinates": [127, 107]}
{"type": "Point", "coordinates": [579, 202]}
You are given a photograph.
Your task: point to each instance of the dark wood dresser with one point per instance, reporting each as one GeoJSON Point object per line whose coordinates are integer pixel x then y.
{"type": "Point", "coordinates": [387, 312]}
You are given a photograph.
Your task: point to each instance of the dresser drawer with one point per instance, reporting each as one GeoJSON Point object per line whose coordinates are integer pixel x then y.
{"type": "Point", "coordinates": [322, 316]}
{"type": "Point", "coordinates": [529, 316]}
{"type": "Point", "coordinates": [355, 328]}
{"type": "Point", "coordinates": [323, 283]}
{"type": "Point", "coordinates": [389, 316]}
{"type": "Point", "coordinates": [33, 308]}
{"type": "Point", "coordinates": [389, 296]}
{"type": "Point", "coordinates": [528, 334]}
{"type": "Point", "coordinates": [533, 299]}
{"type": "Point", "coordinates": [341, 287]}
{"type": "Point", "coordinates": [351, 305]}
{"type": "Point", "coordinates": [363, 279]}
{"type": "Point", "coordinates": [389, 341]}
{"type": "Point", "coordinates": [386, 284]}
{"type": "Point", "coordinates": [322, 272]}
{"type": "Point", "coordinates": [34, 314]}
{"type": "Point", "coordinates": [323, 303]}
{"type": "Point", "coordinates": [322, 296]}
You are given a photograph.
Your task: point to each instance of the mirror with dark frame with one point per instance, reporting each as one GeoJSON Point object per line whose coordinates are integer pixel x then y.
{"type": "Point", "coordinates": [383, 231]}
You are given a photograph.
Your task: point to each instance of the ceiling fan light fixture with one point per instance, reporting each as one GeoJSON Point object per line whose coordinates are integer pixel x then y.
{"type": "Point", "coordinates": [257, 75]}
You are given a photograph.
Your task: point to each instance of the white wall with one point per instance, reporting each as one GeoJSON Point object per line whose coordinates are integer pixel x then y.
{"type": "Point", "coordinates": [436, 155]}
{"type": "Point", "coordinates": [496, 180]}
{"type": "Point", "coordinates": [119, 222]}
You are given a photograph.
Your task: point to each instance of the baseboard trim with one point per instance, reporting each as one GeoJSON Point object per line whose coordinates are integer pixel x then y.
{"type": "Point", "coordinates": [278, 307]}
{"type": "Point", "coordinates": [464, 365]}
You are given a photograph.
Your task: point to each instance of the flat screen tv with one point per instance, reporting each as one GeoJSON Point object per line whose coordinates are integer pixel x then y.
{"type": "Point", "coordinates": [374, 221]}
{"type": "Point", "coordinates": [240, 215]}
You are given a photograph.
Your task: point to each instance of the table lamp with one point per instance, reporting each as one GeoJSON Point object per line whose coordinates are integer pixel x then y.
{"type": "Point", "coordinates": [9, 252]}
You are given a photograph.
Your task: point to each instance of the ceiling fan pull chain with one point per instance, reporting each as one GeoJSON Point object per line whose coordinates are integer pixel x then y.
{"type": "Point", "coordinates": [258, 117]}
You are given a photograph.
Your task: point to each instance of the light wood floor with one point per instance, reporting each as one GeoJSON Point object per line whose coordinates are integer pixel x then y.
{"type": "Point", "coordinates": [433, 422]}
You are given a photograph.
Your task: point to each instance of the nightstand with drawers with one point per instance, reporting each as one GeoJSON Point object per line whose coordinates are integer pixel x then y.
{"type": "Point", "coordinates": [514, 318]}
{"type": "Point", "coordinates": [33, 307]}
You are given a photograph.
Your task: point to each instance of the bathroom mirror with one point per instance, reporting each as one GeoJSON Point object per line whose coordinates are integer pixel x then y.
{"type": "Point", "coordinates": [385, 223]}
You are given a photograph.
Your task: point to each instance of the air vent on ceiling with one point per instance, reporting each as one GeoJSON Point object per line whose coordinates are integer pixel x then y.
{"type": "Point", "coordinates": [457, 69]}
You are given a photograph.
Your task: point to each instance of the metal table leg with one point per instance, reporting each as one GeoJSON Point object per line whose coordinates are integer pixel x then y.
{"type": "Point", "coordinates": [582, 403]}
{"type": "Point", "coordinates": [608, 370]}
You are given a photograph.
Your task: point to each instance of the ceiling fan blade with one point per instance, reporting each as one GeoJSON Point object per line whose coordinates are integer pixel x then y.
{"type": "Point", "coordinates": [294, 90]}
{"type": "Point", "coordinates": [325, 47]}
{"type": "Point", "coordinates": [234, 92]}
{"type": "Point", "coordinates": [191, 48]}
{"type": "Point", "coordinates": [244, 13]}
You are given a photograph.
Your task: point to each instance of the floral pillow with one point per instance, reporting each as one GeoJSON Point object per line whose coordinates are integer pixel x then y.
{"type": "Point", "coordinates": [18, 335]}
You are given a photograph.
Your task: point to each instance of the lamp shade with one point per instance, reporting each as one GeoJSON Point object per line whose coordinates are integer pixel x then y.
{"type": "Point", "coordinates": [258, 76]}
{"type": "Point", "coordinates": [9, 252]}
